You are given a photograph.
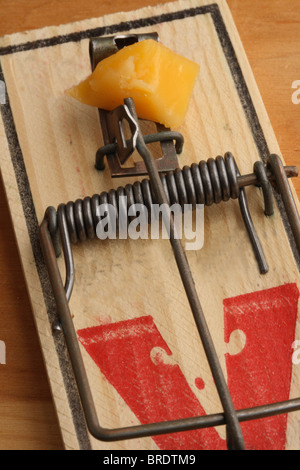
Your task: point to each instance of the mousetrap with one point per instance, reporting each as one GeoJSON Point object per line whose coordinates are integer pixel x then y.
{"type": "Point", "coordinates": [149, 346]}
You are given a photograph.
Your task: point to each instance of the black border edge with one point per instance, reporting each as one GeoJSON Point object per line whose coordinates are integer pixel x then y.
{"type": "Point", "coordinates": [111, 29]}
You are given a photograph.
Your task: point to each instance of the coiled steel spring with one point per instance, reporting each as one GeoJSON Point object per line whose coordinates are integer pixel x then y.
{"type": "Point", "coordinates": [208, 182]}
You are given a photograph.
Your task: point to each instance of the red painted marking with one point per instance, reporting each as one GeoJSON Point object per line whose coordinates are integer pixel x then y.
{"type": "Point", "coordinates": [261, 372]}
{"type": "Point", "coordinates": [199, 383]}
{"type": "Point", "coordinates": [137, 362]}
{"type": "Point", "coordinates": [154, 388]}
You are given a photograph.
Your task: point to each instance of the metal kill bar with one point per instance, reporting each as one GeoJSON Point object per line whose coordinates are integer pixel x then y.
{"type": "Point", "coordinates": [152, 429]}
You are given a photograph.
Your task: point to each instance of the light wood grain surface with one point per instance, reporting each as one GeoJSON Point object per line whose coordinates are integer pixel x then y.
{"type": "Point", "coordinates": [270, 33]}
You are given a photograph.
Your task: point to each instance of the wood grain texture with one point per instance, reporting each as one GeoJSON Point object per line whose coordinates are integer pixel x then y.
{"type": "Point", "coordinates": [275, 63]}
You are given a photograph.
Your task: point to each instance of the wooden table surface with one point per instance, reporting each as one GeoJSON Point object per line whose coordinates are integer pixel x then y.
{"type": "Point", "coordinates": [270, 32]}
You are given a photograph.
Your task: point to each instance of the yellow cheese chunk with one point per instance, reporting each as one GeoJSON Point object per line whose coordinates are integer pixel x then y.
{"type": "Point", "coordinates": [158, 80]}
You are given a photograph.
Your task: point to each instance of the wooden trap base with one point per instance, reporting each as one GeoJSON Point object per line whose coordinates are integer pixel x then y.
{"type": "Point", "coordinates": [149, 363]}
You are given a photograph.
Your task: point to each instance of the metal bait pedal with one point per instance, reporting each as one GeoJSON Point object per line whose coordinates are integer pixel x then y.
{"type": "Point", "coordinates": [112, 130]}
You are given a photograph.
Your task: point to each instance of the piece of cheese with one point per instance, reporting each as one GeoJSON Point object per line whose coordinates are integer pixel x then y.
{"type": "Point", "coordinates": [158, 80]}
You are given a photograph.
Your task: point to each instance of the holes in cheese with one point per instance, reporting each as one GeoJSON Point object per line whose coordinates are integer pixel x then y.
{"type": "Point", "coordinates": [158, 80]}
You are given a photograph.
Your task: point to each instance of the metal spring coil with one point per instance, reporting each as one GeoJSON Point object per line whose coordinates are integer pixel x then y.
{"type": "Point", "coordinates": [208, 182]}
